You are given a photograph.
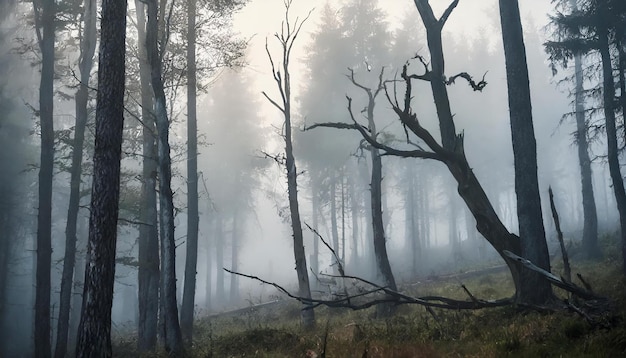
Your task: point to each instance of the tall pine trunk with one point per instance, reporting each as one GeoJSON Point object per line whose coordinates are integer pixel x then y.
{"type": "Point", "coordinates": [191, 260]}
{"type": "Point", "coordinates": [220, 296]}
{"type": "Point", "coordinates": [333, 222]}
{"type": "Point", "coordinates": [172, 335]}
{"type": "Point", "coordinates": [45, 17]}
{"type": "Point", "coordinates": [94, 332]}
{"type": "Point", "coordinates": [608, 90]}
{"type": "Point", "coordinates": [88, 48]}
{"type": "Point", "coordinates": [149, 273]}
{"type": "Point", "coordinates": [590, 216]}
{"type": "Point", "coordinates": [534, 288]}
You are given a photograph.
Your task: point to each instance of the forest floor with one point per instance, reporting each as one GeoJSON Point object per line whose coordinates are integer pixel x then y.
{"type": "Point", "coordinates": [414, 332]}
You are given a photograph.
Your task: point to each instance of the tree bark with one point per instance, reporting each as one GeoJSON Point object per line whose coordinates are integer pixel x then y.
{"type": "Point", "coordinates": [173, 336]}
{"type": "Point", "coordinates": [94, 333]}
{"type": "Point", "coordinates": [608, 90]}
{"type": "Point", "coordinates": [534, 289]}
{"type": "Point", "coordinates": [88, 48]}
{"type": "Point", "coordinates": [149, 273]}
{"type": "Point", "coordinates": [191, 260]}
{"type": "Point", "coordinates": [45, 18]}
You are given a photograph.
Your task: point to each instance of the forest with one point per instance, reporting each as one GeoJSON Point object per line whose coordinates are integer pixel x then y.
{"type": "Point", "coordinates": [292, 178]}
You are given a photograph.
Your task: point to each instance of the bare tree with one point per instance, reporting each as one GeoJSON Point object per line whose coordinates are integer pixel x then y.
{"type": "Point", "coordinates": [287, 37]}
{"type": "Point", "coordinates": [45, 13]}
{"type": "Point", "coordinates": [94, 333]}
{"type": "Point", "coordinates": [379, 240]}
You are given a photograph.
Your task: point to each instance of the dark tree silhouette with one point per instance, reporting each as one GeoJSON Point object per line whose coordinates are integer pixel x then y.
{"type": "Point", "coordinates": [94, 332]}
{"type": "Point", "coordinates": [531, 230]}
{"type": "Point", "coordinates": [87, 50]}
{"type": "Point", "coordinates": [45, 11]}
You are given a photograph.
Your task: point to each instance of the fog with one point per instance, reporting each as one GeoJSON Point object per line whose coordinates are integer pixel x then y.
{"type": "Point", "coordinates": [243, 203]}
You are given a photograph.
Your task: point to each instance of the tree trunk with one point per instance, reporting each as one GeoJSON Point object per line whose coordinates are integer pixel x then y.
{"type": "Point", "coordinates": [88, 48]}
{"type": "Point", "coordinates": [173, 337]}
{"type": "Point", "coordinates": [468, 186]}
{"type": "Point", "coordinates": [333, 222]}
{"type": "Point", "coordinates": [354, 214]}
{"type": "Point", "coordinates": [149, 273]}
{"type": "Point", "coordinates": [234, 279]}
{"type": "Point", "coordinates": [611, 130]}
{"type": "Point", "coordinates": [315, 267]}
{"type": "Point", "coordinates": [283, 82]}
{"type": "Point", "coordinates": [534, 288]}
{"type": "Point", "coordinates": [191, 261]}
{"type": "Point", "coordinates": [46, 17]}
{"type": "Point", "coordinates": [343, 220]}
{"type": "Point", "coordinates": [209, 274]}
{"type": "Point", "coordinates": [411, 236]}
{"type": "Point", "coordinates": [590, 216]}
{"type": "Point", "coordinates": [220, 296]}
{"type": "Point", "coordinates": [94, 332]}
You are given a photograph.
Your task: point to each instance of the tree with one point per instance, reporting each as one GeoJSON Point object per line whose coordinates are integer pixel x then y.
{"type": "Point", "coordinates": [595, 28]}
{"type": "Point", "coordinates": [451, 152]}
{"type": "Point", "coordinates": [286, 38]}
{"type": "Point", "coordinates": [380, 246]}
{"type": "Point", "coordinates": [148, 275]}
{"type": "Point", "coordinates": [379, 240]}
{"type": "Point", "coordinates": [88, 46]}
{"type": "Point", "coordinates": [94, 333]}
{"type": "Point", "coordinates": [533, 238]}
{"type": "Point", "coordinates": [608, 91]}
{"type": "Point", "coordinates": [169, 308]}
{"type": "Point", "coordinates": [45, 11]}
{"type": "Point", "coordinates": [590, 218]}
{"type": "Point", "coordinates": [186, 313]}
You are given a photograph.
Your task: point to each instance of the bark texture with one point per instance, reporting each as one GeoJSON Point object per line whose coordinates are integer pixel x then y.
{"type": "Point", "coordinates": [149, 273]}
{"type": "Point", "coordinates": [534, 289]}
{"type": "Point", "coordinates": [94, 332]}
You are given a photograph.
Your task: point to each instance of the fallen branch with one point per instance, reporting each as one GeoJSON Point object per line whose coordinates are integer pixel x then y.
{"type": "Point", "coordinates": [391, 296]}
{"type": "Point", "coordinates": [567, 286]}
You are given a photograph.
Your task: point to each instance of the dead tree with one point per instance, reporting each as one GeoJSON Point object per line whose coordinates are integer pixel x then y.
{"type": "Point", "coordinates": [286, 38]}
{"type": "Point", "coordinates": [380, 247]}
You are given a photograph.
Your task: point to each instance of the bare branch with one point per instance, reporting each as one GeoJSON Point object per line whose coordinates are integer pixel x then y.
{"type": "Point", "coordinates": [273, 102]}
{"type": "Point", "coordinates": [337, 260]}
{"type": "Point", "coordinates": [448, 12]}
{"type": "Point", "coordinates": [475, 86]}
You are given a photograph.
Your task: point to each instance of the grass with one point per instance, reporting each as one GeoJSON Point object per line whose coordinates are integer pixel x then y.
{"type": "Point", "coordinates": [413, 332]}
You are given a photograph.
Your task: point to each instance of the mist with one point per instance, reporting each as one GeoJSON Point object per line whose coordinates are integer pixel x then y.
{"type": "Point", "coordinates": [243, 202]}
